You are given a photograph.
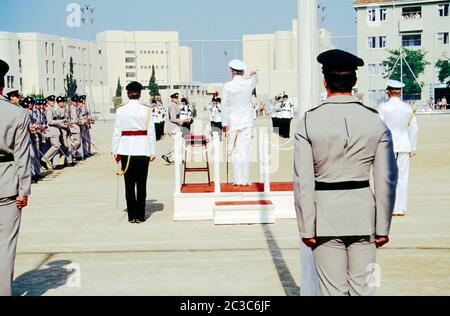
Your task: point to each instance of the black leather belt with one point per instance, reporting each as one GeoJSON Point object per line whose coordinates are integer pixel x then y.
{"type": "Point", "coordinates": [6, 158]}
{"type": "Point", "coordinates": [341, 186]}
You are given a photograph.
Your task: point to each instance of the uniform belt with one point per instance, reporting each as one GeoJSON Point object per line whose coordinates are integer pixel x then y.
{"type": "Point", "coordinates": [341, 186]}
{"type": "Point", "coordinates": [6, 158]}
{"type": "Point", "coordinates": [134, 133]}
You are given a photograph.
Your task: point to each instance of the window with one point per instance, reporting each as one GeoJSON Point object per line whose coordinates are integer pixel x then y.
{"type": "Point", "coordinates": [53, 49]}
{"type": "Point", "coordinates": [377, 42]}
{"type": "Point", "coordinates": [21, 83]}
{"type": "Point", "coordinates": [130, 52]}
{"type": "Point", "coordinates": [20, 65]}
{"type": "Point", "coordinates": [53, 67]}
{"type": "Point", "coordinates": [411, 13]}
{"type": "Point", "coordinates": [443, 9]}
{"type": "Point", "coordinates": [131, 67]}
{"type": "Point", "coordinates": [54, 84]}
{"type": "Point", "coordinates": [412, 40]}
{"type": "Point", "coordinates": [19, 46]}
{"type": "Point", "coordinates": [46, 66]}
{"type": "Point", "coordinates": [46, 49]}
{"type": "Point", "coordinates": [442, 38]}
{"type": "Point", "coordinates": [48, 84]}
{"type": "Point", "coordinates": [130, 60]}
{"type": "Point", "coordinates": [162, 52]}
{"type": "Point", "coordinates": [131, 75]}
{"type": "Point", "coordinates": [377, 96]}
{"type": "Point", "coordinates": [376, 14]}
{"type": "Point", "coordinates": [99, 51]}
{"type": "Point", "coordinates": [376, 69]}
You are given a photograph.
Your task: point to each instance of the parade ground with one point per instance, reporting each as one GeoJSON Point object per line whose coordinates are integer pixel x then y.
{"type": "Point", "coordinates": [75, 238]}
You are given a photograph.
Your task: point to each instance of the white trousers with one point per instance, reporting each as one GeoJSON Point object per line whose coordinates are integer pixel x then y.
{"type": "Point", "coordinates": [401, 201]}
{"type": "Point", "coordinates": [239, 146]}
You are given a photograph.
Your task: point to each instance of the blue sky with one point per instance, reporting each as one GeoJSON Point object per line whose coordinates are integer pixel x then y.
{"type": "Point", "coordinates": [193, 19]}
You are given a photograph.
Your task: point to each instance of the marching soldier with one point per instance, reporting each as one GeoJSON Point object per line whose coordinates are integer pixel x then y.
{"type": "Point", "coordinates": [75, 127]}
{"type": "Point", "coordinates": [134, 145]}
{"type": "Point", "coordinates": [238, 119]}
{"type": "Point", "coordinates": [339, 217]}
{"type": "Point", "coordinates": [63, 113]}
{"type": "Point", "coordinates": [27, 104]}
{"type": "Point", "coordinates": [175, 123]}
{"type": "Point", "coordinates": [52, 132]}
{"type": "Point", "coordinates": [85, 128]}
{"type": "Point", "coordinates": [156, 113]}
{"type": "Point", "coordinates": [401, 120]}
{"type": "Point", "coordinates": [15, 182]}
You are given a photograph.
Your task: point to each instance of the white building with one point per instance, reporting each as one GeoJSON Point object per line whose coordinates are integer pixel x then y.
{"type": "Point", "coordinates": [275, 57]}
{"type": "Point", "coordinates": [394, 24]}
{"type": "Point", "coordinates": [40, 63]}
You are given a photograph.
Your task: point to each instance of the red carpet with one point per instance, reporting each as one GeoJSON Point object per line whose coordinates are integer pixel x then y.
{"type": "Point", "coordinates": [229, 188]}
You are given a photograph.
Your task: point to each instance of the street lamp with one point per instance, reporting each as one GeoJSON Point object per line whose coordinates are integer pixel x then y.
{"type": "Point", "coordinates": [88, 19]}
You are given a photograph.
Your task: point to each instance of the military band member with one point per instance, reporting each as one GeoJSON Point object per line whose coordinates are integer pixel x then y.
{"type": "Point", "coordinates": [15, 182]}
{"type": "Point", "coordinates": [238, 119]}
{"type": "Point", "coordinates": [134, 144]}
{"type": "Point", "coordinates": [275, 114]}
{"type": "Point", "coordinates": [75, 127]}
{"type": "Point", "coordinates": [401, 120]}
{"type": "Point", "coordinates": [175, 123]}
{"type": "Point", "coordinates": [14, 97]}
{"type": "Point", "coordinates": [52, 133]}
{"type": "Point", "coordinates": [286, 114]}
{"type": "Point", "coordinates": [186, 114]}
{"type": "Point", "coordinates": [216, 116]}
{"type": "Point", "coordinates": [339, 216]}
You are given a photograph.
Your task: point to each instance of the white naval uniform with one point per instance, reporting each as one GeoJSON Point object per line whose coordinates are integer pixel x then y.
{"type": "Point", "coordinates": [238, 116]}
{"type": "Point", "coordinates": [133, 116]}
{"type": "Point", "coordinates": [400, 119]}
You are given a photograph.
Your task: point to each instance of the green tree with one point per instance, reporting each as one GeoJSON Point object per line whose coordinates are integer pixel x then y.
{"type": "Point", "coordinates": [444, 71]}
{"type": "Point", "coordinates": [152, 85]}
{"type": "Point", "coordinates": [118, 89]}
{"type": "Point", "coordinates": [71, 83]}
{"type": "Point", "coordinates": [416, 60]}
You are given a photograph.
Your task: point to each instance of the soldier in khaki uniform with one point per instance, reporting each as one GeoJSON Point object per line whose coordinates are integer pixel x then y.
{"type": "Point", "coordinates": [339, 216]}
{"type": "Point", "coordinates": [15, 182]}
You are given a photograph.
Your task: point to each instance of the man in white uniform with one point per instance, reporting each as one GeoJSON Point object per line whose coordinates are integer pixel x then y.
{"type": "Point", "coordinates": [133, 145]}
{"type": "Point", "coordinates": [238, 119]}
{"type": "Point", "coordinates": [400, 119]}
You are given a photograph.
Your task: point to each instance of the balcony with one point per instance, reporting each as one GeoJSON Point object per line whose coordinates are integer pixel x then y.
{"type": "Point", "coordinates": [410, 25]}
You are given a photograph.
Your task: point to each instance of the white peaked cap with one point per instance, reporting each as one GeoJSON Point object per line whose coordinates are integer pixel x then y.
{"type": "Point", "coordinates": [238, 65]}
{"type": "Point", "coordinates": [395, 84]}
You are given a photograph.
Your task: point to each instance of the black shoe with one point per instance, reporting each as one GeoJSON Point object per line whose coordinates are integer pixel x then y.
{"type": "Point", "coordinates": [132, 221]}
{"type": "Point", "coordinates": [140, 221]}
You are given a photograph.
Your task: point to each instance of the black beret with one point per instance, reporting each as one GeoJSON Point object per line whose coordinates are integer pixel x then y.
{"type": "Point", "coordinates": [61, 99]}
{"type": "Point", "coordinates": [82, 98]}
{"type": "Point", "coordinates": [11, 94]}
{"type": "Point", "coordinates": [184, 100]}
{"type": "Point", "coordinates": [4, 68]}
{"type": "Point", "coordinates": [337, 59]}
{"type": "Point", "coordinates": [24, 105]}
{"type": "Point", "coordinates": [29, 100]}
{"type": "Point", "coordinates": [76, 98]}
{"type": "Point", "coordinates": [175, 96]}
{"type": "Point", "coordinates": [134, 86]}
{"type": "Point", "coordinates": [219, 100]}
{"type": "Point", "coordinates": [51, 98]}
{"type": "Point", "coordinates": [285, 96]}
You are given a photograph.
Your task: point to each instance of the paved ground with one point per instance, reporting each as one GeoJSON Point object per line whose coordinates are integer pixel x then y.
{"type": "Point", "coordinates": [75, 240]}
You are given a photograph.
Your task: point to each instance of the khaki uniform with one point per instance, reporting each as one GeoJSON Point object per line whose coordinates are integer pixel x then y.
{"type": "Point", "coordinates": [337, 145]}
{"type": "Point", "coordinates": [15, 168]}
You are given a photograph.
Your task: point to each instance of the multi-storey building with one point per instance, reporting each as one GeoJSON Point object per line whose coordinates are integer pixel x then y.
{"type": "Point", "coordinates": [275, 56]}
{"type": "Point", "coordinates": [385, 25]}
{"type": "Point", "coordinates": [40, 64]}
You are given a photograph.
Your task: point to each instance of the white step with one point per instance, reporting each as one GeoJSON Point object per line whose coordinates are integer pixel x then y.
{"type": "Point", "coordinates": [244, 212]}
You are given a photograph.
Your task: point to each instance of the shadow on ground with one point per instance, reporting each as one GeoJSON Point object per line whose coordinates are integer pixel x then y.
{"type": "Point", "coordinates": [151, 207]}
{"type": "Point", "coordinates": [290, 287]}
{"type": "Point", "coordinates": [39, 281]}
